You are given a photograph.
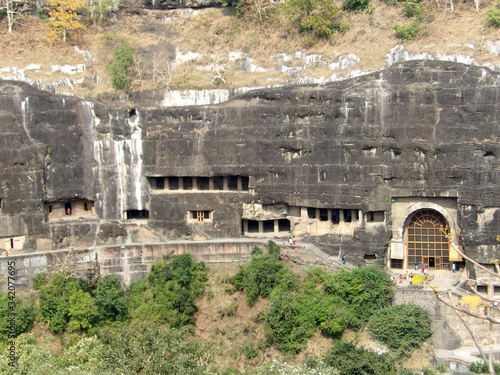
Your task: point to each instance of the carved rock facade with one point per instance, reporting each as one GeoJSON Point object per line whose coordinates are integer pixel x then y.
{"type": "Point", "coordinates": [348, 165]}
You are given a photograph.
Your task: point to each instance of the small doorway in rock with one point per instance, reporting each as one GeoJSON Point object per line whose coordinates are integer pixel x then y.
{"type": "Point", "coordinates": [67, 208]}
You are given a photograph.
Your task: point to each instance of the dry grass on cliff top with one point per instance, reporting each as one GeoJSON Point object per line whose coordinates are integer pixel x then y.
{"type": "Point", "coordinates": [215, 32]}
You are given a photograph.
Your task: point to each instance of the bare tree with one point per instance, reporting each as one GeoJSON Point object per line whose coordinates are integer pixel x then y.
{"type": "Point", "coordinates": [13, 11]}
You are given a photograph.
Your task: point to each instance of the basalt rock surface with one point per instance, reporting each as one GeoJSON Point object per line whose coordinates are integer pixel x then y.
{"type": "Point", "coordinates": [419, 130]}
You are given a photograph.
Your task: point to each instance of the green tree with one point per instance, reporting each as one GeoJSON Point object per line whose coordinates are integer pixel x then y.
{"type": "Point", "coordinates": [82, 311]}
{"type": "Point", "coordinates": [119, 67]}
{"type": "Point", "coordinates": [402, 328]}
{"type": "Point", "coordinates": [110, 299]}
{"type": "Point", "coordinates": [168, 293]}
{"type": "Point", "coordinates": [23, 314]}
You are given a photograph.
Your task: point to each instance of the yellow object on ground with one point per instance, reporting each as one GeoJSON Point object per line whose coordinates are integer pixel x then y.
{"type": "Point", "coordinates": [417, 280]}
{"type": "Point", "coordinates": [472, 301]}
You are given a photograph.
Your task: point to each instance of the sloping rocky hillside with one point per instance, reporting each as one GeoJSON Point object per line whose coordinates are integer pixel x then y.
{"type": "Point", "coordinates": [211, 48]}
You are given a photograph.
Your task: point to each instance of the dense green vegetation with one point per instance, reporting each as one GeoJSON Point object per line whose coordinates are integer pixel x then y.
{"type": "Point", "coordinates": [402, 327]}
{"type": "Point", "coordinates": [147, 328]}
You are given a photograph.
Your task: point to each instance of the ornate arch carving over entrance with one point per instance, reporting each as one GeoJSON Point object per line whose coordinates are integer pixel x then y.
{"type": "Point", "coordinates": [426, 242]}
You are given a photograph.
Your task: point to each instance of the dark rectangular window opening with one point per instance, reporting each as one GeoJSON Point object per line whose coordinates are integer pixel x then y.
{"type": "Point", "coordinates": [232, 182]}
{"type": "Point", "coordinates": [335, 216]}
{"type": "Point", "coordinates": [50, 209]}
{"type": "Point", "coordinates": [160, 183]}
{"type": "Point", "coordinates": [323, 214]}
{"type": "Point", "coordinates": [187, 183]}
{"type": "Point", "coordinates": [253, 226]}
{"type": "Point", "coordinates": [356, 215]}
{"type": "Point", "coordinates": [137, 214]}
{"type": "Point", "coordinates": [85, 206]}
{"type": "Point", "coordinates": [244, 182]}
{"type": "Point", "coordinates": [311, 212]}
{"type": "Point", "coordinates": [200, 215]}
{"type": "Point", "coordinates": [347, 216]}
{"type": "Point", "coordinates": [218, 183]}
{"type": "Point", "coordinates": [370, 256]}
{"type": "Point", "coordinates": [496, 290]}
{"type": "Point", "coordinates": [11, 243]}
{"type": "Point", "coordinates": [397, 263]}
{"type": "Point", "coordinates": [173, 183]}
{"type": "Point", "coordinates": [284, 225]}
{"type": "Point", "coordinates": [375, 216]}
{"type": "Point", "coordinates": [202, 183]}
{"type": "Point", "coordinates": [483, 289]}
{"type": "Point", "coordinates": [269, 226]}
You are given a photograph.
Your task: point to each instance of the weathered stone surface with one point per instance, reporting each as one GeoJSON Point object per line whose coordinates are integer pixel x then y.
{"type": "Point", "coordinates": [422, 130]}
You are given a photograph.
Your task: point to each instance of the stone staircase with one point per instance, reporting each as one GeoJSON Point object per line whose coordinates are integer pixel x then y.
{"type": "Point", "coordinates": [322, 255]}
{"type": "Point", "coordinates": [162, 236]}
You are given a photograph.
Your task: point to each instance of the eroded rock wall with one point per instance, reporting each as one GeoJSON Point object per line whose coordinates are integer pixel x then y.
{"type": "Point", "coordinates": [419, 130]}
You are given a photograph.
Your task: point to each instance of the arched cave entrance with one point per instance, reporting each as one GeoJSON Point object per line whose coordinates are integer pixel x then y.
{"type": "Point", "coordinates": [426, 240]}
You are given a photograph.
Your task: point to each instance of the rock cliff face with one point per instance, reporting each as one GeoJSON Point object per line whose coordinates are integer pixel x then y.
{"type": "Point", "coordinates": [343, 163]}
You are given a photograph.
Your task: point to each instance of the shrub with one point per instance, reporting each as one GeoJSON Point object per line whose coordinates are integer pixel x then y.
{"type": "Point", "coordinates": [322, 18]}
{"type": "Point", "coordinates": [82, 311]}
{"type": "Point", "coordinates": [407, 32]}
{"type": "Point", "coordinates": [413, 9]}
{"type": "Point", "coordinates": [119, 67]}
{"type": "Point", "coordinates": [263, 274]}
{"type": "Point", "coordinates": [355, 5]}
{"type": "Point", "coordinates": [350, 360]}
{"type": "Point", "coordinates": [493, 17]}
{"type": "Point", "coordinates": [110, 299]}
{"type": "Point", "coordinates": [39, 281]}
{"type": "Point", "coordinates": [168, 293]}
{"type": "Point", "coordinates": [289, 322]}
{"type": "Point", "coordinates": [359, 293]}
{"type": "Point", "coordinates": [151, 349]}
{"type": "Point", "coordinates": [402, 328]}
{"type": "Point", "coordinates": [23, 312]}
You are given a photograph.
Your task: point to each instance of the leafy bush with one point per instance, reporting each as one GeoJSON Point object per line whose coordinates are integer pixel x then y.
{"type": "Point", "coordinates": [359, 293]}
{"type": "Point", "coordinates": [493, 17]}
{"type": "Point", "coordinates": [355, 5]}
{"type": "Point", "coordinates": [110, 299]}
{"type": "Point", "coordinates": [24, 314]}
{"type": "Point", "coordinates": [480, 367]}
{"type": "Point", "coordinates": [151, 349]}
{"type": "Point", "coordinates": [289, 322]}
{"type": "Point", "coordinates": [82, 311]}
{"type": "Point", "coordinates": [119, 67]}
{"type": "Point", "coordinates": [350, 360]}
{"type": "Point", "coordinates": [263, 274]}
{"type": "Point", "coordinates": [402, 328]}
{"type": "Point", "coordinates": [413, 9]}
{"type": "Point", "coordinates": [39, 281]}
{"type": "Point", "coordinates": [168, 293]}
{"type": "Point", "coordinates": [407, 32]}
{"type": "Point", "coordinates": [320, 17]}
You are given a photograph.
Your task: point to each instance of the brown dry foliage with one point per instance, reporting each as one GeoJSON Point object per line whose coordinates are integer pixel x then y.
{"type": "Point", "coordinates": [215, 32]}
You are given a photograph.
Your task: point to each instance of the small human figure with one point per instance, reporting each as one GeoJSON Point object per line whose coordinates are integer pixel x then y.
{"type": "Point", "coordinates": [417, 266]}
{"type": "Point", "coordinates": [343, 259]}
{"type": "Point", "coordinates": [426, 271]}
{"type": "Point", "coordinates": [68, 211]}
{"type": "Point", "coordinates": [411, 275]}
{"type": "Point", "coordinates": [453, 266]}
{"type": "Point", "coordinates": [400, 278]}
{"type": "Point", "coordinates": [293, 241]}
{"type": "Point", "coordinates": [6, 252]}
{"type": "Point", "coordinates": [423, 268]}
{"type": "Point", "coordinates": [290, 241]}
